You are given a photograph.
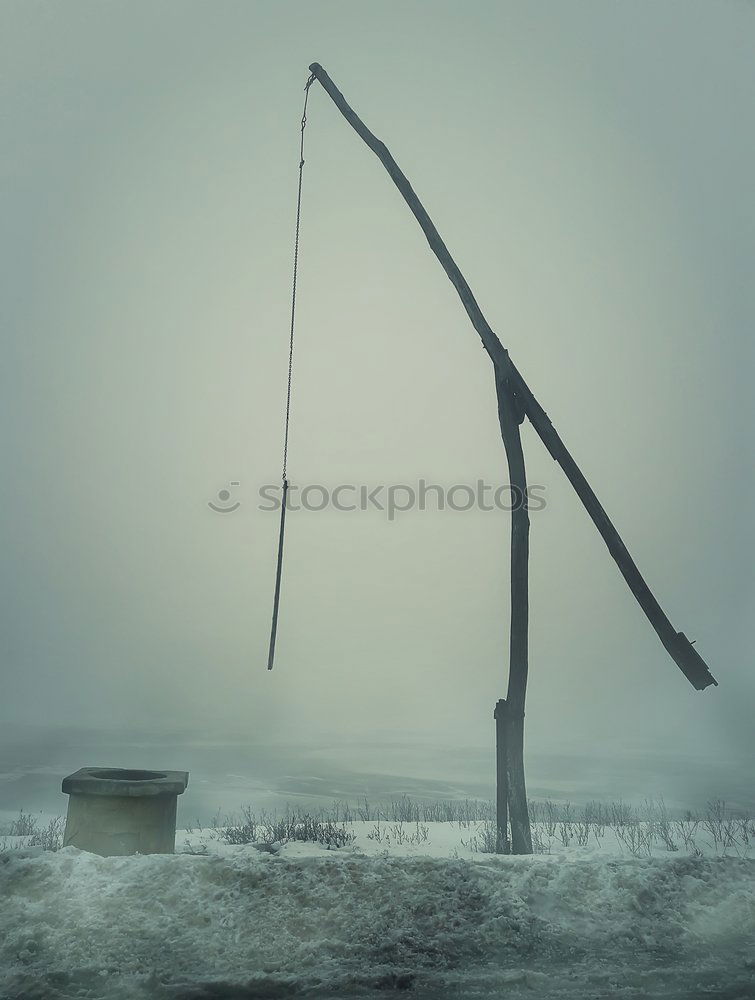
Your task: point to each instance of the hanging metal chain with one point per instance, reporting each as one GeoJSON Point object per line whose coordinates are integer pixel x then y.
{"type": "Point", "coordinates": [279, 568]}
{"type": "Point", "coordinates": [296, 270]}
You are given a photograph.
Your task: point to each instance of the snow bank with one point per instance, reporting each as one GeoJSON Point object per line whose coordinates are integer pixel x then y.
{"type": "Point", "coordinates": [244, 923]}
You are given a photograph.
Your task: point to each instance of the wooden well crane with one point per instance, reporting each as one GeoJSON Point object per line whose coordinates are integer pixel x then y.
{"type": "Point", "coordinates": [516, 402]}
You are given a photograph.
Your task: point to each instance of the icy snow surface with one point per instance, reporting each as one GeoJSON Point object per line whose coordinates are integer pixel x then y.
{"type": "Point", "coordinates": [238, 922]}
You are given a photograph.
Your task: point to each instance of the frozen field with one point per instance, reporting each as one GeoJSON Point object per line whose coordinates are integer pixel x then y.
{"type": "Point", "coordinates": [613, 908]}
{"type": "Point", "coordinates": [230, 769]}
{"type": "Point", "coordinates": [407, 907]}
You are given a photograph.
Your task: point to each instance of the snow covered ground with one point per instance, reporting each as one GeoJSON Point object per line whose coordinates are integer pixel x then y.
{"type": "Point", "coordinates": [408, 907]}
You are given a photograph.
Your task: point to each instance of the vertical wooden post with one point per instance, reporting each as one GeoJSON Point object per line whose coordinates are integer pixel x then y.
{"type": "Point", "coordinates": [511, 415]}
{"type": "Point", "coordinates": [502, 844]}
{"type": "Point", "coordinates": [515, 400]}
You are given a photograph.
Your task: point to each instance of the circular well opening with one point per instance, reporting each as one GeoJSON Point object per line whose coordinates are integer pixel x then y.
{"type": "Point", "coordinates": [124, 774]}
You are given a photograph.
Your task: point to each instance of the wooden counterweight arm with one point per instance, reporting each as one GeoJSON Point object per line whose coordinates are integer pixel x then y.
{"type": "Point", "coordinates": [676, 643]}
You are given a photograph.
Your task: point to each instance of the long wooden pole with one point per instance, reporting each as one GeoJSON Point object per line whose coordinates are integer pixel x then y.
{"type": "Point", "coordinates": [513, 708]}
{"type": "Point", "coordinates": [676, 643]}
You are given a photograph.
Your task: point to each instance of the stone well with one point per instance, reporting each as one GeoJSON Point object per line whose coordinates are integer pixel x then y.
{"type": "Point", "coordinates": [116, 811]}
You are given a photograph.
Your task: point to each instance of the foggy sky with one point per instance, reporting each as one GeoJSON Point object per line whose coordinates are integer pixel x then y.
{"type": "Point", "coordinates": [590, 167]}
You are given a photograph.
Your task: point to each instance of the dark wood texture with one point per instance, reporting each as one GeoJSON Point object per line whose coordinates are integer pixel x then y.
{"type": "Point", "coordinates": [502, 844]}
{"type": "Point", "coordinates": [509, 418]}
{"type": "Point", "coordinates": [278, 569]}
